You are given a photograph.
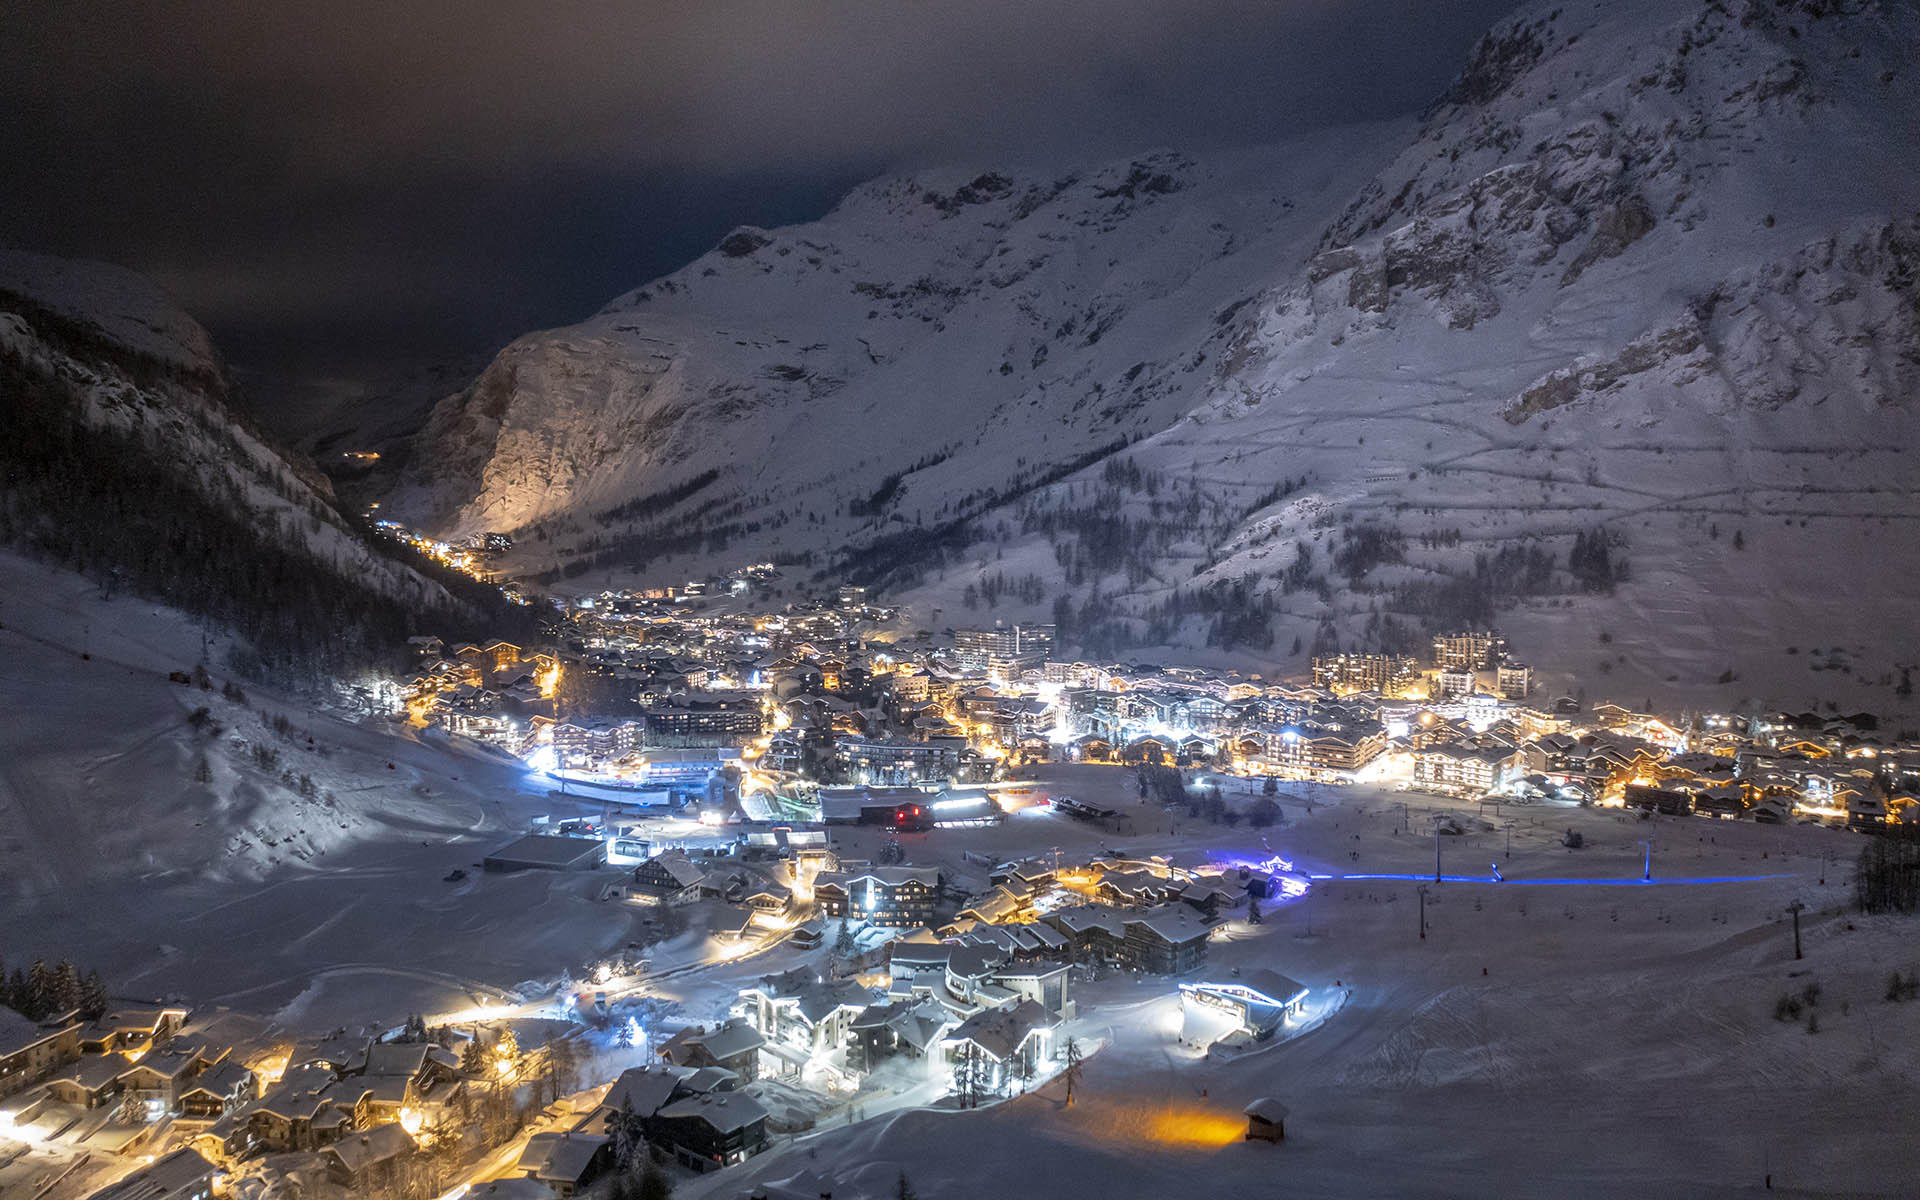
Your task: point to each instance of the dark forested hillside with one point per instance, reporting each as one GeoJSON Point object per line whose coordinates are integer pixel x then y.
{"type": "Point", "coordinates": [101, 501]}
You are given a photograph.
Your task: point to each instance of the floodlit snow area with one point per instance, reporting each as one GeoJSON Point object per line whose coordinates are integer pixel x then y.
{"type": "Point", "coordinates": [302, 872]}
{"type": "Point", "coordinates": [1571, 1031]}
{"type": "Point", "coordinates": [1575, 1029]}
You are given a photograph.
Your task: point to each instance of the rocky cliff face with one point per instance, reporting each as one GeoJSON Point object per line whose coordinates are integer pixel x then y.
{"type": "Point", "coordinates": [971, 329]}
{"type": "Point", "coordinates": [1642, 275]}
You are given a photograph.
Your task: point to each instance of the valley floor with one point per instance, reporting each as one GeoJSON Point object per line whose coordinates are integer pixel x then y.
{"type": "Point", "coordinates": [1594, 1037]}
{"type": "Point", "coordinates": [1591, 1038]}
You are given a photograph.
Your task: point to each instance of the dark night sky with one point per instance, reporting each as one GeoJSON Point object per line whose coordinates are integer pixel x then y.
{"type": "Point", "coordinates": [351, 187]}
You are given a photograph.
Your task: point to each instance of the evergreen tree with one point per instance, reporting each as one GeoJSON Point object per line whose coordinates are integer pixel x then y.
{"type": "Point", "coordinates": [1253, 910]}
{"type": "Point", "coordinates": [40, 994]}
{"type": "Point", "coordinates": [971, 1077]}
{"type": "Point", "coordinates": [629, 1142]}
{"type": "Point", "coordinates": [904, 1190]}
{"type": "Point", "coordinates": [133, 1109]}
{"type": "Point", "coordinates": [473, 1059]}
{"type": "Point", "coordinates": [65, 987]}
{"type": "Point", "coordinates": [562, 1066]}
{"type": "Point", "coordinates": [1072, 1071]}
{"type": "Point", "coordinates": [1888, 876]}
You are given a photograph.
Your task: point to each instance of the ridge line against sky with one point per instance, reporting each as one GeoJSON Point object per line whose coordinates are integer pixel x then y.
{"type": "Point", "coordinates": [356, 188]}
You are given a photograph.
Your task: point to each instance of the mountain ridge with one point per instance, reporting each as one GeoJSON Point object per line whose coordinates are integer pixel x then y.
{"type": "Point", "coordinates": [1625, 256]}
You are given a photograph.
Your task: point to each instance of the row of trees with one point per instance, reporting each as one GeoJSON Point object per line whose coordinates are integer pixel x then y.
{"type": "Point", "coordinates": [41, 991]}
{"type": "Point", "coordinates": [1888, 876]}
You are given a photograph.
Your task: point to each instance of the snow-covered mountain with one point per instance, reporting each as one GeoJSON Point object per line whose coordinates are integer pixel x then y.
{"type": "Point", "coordinates": [126, 459]}
{"type": "Point", "coordinates": [969, 329]}
{"type": "Point", "coordinates": [1644, 277]}
{"type": "Point", "coordinates": [1647, 273]}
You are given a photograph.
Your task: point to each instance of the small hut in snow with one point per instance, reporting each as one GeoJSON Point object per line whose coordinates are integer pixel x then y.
{"type": "Point", "coordinates": [1266, 1120]}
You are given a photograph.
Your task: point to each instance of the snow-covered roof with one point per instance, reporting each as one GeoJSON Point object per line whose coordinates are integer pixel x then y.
{"type": "Point", "coordinates": [999, 1032]}
{"type": "Point", "coordinates": [724, 1111]}
{"type": "Point", "coordinates": [560, 1157]}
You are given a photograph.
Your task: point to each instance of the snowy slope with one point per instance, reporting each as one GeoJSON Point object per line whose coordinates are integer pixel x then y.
{"type": "Point", "coordinates": [259, 849]}
{"type": "Point", "coordinates": [140, 365]}
{"type": "Point", "coordinates": [1646, 273]}
{"type": "Point", "coordinates": [980, 326]}
{"type": "Point", "coordinates": [1648, 269]}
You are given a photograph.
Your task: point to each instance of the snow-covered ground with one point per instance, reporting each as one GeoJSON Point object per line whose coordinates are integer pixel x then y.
{"type": "Point", "coordinates": [242, 890]}
{"type": "Point", "coordinates": [1570, 1031]}
{"type": "Point", "coordinates": [1544, 1039]}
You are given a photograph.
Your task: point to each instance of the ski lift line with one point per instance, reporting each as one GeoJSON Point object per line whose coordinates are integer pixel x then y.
{"type": "Point", "coordinates": [1425, 877]}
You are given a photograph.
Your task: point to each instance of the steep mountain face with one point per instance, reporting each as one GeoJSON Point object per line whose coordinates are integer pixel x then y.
{"type": "Point", "coordinates": [124, 458]}
{"type": "Point", "coordinates": [1645, 279]}
{"type": "Point", "coordinates": [935, 344]}
{"type": "Point", "coordinates": [1622, 331]}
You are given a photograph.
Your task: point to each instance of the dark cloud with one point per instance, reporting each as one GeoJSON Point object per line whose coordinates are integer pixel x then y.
{"type": "Point", "coordinates": [351, 184]}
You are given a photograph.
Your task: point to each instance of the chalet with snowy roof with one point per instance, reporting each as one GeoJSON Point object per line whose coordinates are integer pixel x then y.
{"type": "Point", "coordinates": [224, 1088]}
{"type": "Point", "coordinates": [1094, 932]}
{"type": "Point", "coordinates": [1724, 802]}
{"type": "Point", "coordinates": [163, 1075]}
{"type": "Point", "coordinates": [667, 878]}
{"type": "Point", "coordinates": [357, 1158]}
{"type": "Point", "coordinates": [802, 1015]}
{"type": "Point", "coordinates": [697, 1116]}
{"type": "Point", "coordinates": [567, 1162]}
{"type": "Point", "coordinates": [1169, 939]}
{"type": "Point", "coordinates": [1008, 1043]}
{"type": "Point", "coordinates": [906, 1026]}
{"type": "Point", "coordinates": [1208, 895]}
{"type": "Point", "coordinates": [181, 1175]}
{"type": "Point", "coordinates": [969, 976]}
{"type": "Point", "coordinates": [734, 1046]}
{"type": "Point", "coordinates": [713, 1129]}
{"type": "Point", "coordinates": [1464, 767]}
{"type": "Point", "coordinates": [996, 905]}
{"type": "Point", "coordinates": [89, 1081]}
{"type": "Point", "coordinates": [304, 1110]}
{"type": "Point", "coordinates": [132, 1030]}
{"type": "Point", "coordinates": [1022, 942]}
{"type": "Point", "coordinates": [1647, 798]}
{"type": "Point", "coordinates": [896, 896]}
{"type": "Point", "coordinates": [1138, 888]}
{"type": "Point", "coordinates": [32, 1050]}
{"type": "Point", "coordinates": [399, 1075]}
{"type": "Point", "coordinates": [1322, 751]}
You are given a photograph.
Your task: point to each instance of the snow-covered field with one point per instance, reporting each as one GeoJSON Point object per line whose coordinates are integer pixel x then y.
{"type": "Point", "coordinates": [242, 890]}
{"type": "Point", "coordinates": [1592, 1036]}
{"type": "Point", "coordinates": [1589, 1039]}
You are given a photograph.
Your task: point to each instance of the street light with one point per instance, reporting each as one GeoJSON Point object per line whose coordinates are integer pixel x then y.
{"type": "Point", "coordinates": [1422, 889]}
